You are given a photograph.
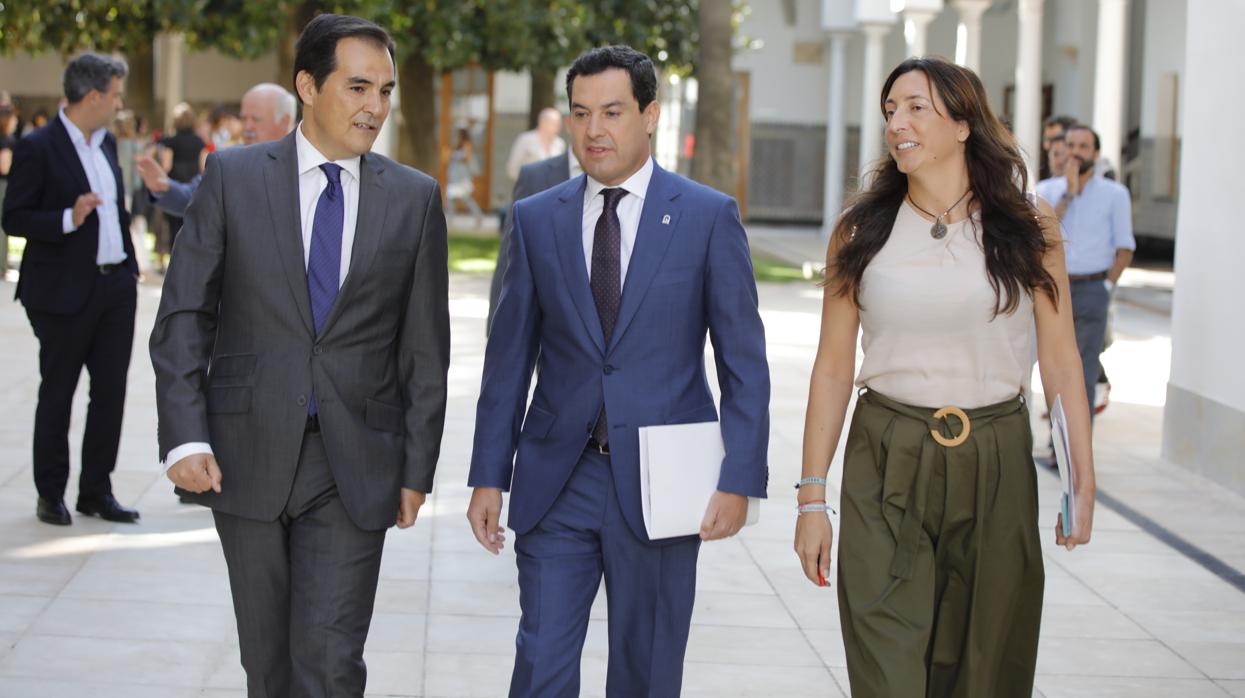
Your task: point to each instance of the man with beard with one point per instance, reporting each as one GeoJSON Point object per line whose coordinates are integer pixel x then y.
{"type": "Point", "coordinates": [1096, 218]}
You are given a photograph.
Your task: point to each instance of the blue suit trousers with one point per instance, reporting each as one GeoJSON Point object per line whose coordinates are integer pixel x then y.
{"type": "Point", "coordinates": [650, 590]}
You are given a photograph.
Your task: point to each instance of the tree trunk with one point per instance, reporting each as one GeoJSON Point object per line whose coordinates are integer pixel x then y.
{"type": "Point", "coordinates": [299, 15]}
{"type": "Point", "coordinates": [542, 94]}
{"type": "Point", "coordinates": [417, 140]}
{"type": "Point", "coordinates": [140, 84]}
{"type": "Point", "coordinates": [713, 163]}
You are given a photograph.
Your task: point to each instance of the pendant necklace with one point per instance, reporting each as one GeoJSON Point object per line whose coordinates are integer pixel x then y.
{"type": "Point", "coordinates": [938, 230]}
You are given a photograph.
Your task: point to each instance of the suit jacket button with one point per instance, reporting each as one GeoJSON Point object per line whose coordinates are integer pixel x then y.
{"type": "Point", "coordinates": [608, 369]}
{"type": "Point", "coordinates": [302, 400]}
{"type": "Point", "coordinates": [318, 350]}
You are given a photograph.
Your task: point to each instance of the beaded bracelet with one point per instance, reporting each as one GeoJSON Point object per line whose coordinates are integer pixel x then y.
{"type": "Point", "coordinates": [815, 506]}
{"type": "Point", "coordinates": [810, 481]}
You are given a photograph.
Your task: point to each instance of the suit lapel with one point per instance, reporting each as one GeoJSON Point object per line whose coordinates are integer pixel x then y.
{"type": "Point", "coordinates": [369, 225]}
{"type": "Point", "coordinates": [568, 232]}
{"type": "Point", "coordinates": [658, 221]}
{"type": "Point", "coordinates": [281, 182]}
{"type": "Point", "coordinates": [65, 148]}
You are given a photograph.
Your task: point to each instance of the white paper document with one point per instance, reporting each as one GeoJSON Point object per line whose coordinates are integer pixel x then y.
{"type": "Point", "coordinates": [1063, 456]}
{"type": "Point", "coordinates": [679, 469]}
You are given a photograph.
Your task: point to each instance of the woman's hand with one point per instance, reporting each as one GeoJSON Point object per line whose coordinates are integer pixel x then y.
{"type": "Point", "coordinates": [813, 536]}
{"type": "Point", "coordinates": [1084, 520]}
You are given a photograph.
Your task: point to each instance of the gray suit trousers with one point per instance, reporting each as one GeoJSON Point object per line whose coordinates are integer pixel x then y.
{"type": "Point", "coordinates": [1090, 300]}
{"type": "Point", "coordinates": [303, 588]}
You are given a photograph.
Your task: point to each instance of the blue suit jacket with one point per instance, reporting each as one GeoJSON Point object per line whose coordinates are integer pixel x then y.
{"type": "Point", "coordinates": [176, 200]}
{"type": "Point", "coordinates": [690, 273]}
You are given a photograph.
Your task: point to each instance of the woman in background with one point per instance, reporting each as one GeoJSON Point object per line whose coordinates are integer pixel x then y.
{"type": "Point", "coordinates": [463, 168]}
{"type": "Point", "coordinates": [181, 157]}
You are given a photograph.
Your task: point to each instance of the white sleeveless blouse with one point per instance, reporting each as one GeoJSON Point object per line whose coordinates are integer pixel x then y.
{"type": "Point", "coordinates": [928, 332]}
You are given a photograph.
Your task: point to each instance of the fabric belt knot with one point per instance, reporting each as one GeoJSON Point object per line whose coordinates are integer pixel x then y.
{"type": "Point", "coordinates": [923, 435]}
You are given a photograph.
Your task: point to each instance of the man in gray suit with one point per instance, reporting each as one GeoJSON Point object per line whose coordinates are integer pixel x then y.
{"type": "Point", "coordinates": [301, 352]}
{"type": "Point", "coordinates": [534, 178]}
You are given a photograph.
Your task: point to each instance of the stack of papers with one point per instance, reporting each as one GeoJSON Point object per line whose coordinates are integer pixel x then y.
{"type": "Point", "coordinates": [679, 469]}
{"type": "Point", "coordinates": [1063, 456]}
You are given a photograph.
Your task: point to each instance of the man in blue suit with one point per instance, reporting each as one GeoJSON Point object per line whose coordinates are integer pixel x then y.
{"type": "Point", "coordinates": [614, 279]}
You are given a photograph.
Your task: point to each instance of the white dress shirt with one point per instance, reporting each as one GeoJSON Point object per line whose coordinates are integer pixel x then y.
{"type": "Point", "coordinates": [629, 209]}
{"type": "Point", "coordinates": [529, 148]}
{"type": "Point", "coordinates": [311, 184]}
{"type": "Point", "coordinates": [104, 183]}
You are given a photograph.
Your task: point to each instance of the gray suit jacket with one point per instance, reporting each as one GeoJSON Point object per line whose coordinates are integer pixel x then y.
{"type": "Point", "coordinates": [533, 179]}
{"type": "Point", "coordinates": [236, 358]}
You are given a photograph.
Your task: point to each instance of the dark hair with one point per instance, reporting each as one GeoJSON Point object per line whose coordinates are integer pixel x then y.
{"type": "Point", "coordinates": [316, 50]}
{"type": "Point", "coordinates": [1083, 127]}
{"type": "Point", "coordinates": [1063, 121]}
{"type": "Point", "coordinates": [91, 71]}
{"type": "Point", "coordinates": [637, 65]}
{"type": "Point", "coordinates": [1011, 237]}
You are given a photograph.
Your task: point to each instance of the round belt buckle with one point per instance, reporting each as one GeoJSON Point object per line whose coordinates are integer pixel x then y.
{"type": "Point", "coordinates": [944, 441]}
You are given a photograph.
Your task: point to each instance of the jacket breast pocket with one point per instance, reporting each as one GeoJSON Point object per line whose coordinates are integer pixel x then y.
{"type": "Point", "coordinates": [538, 422]}
{"type": "Point", "coordinates": [686, 274]}
{"type": "Point", "coordinates": [232, 366]}
{"type": "Point", "coordinates": [228, 400]}
{"type": "Point", "coordinates": [382, 416]}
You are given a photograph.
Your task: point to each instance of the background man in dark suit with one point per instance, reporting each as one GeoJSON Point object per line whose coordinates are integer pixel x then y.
{"type": "Point", "coordinates": [301, 352]}
{"type": "Point", "coordinates": [533, 178]}
{"type": "Point", "coordinates": [78, 283]}
{"type": "Point", "coordinates": [615, 279]}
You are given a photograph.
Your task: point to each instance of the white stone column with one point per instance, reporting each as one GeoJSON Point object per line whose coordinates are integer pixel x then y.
{"type": "Point", "coordinates": [916, 28]}
{"type": "Point", "coordinates": [1027, 116]}
{"type": "Point", "coordinates": [870, 115]}
{"type": "Point", "coordinates": [1109, 80]}
{"type": "Point", "coordinates": [836, 132]}
{"type": "Point", "coordinates": [968, 34]}
{"type": "Point", "coordinates": [172, 52]}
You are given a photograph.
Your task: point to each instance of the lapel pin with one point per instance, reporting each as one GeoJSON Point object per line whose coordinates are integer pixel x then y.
{"type": "Point", "coordinates": [665, 220]}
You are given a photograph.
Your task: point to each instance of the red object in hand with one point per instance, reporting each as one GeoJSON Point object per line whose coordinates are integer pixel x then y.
{"type": "Point", "coordinates": [821, 580]}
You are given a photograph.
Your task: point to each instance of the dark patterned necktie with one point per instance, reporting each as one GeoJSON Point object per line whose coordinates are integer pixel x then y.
{"type": "Point", "coordinates": [607, 279]}
{"type": "Point", "coordinates": [325, 259]}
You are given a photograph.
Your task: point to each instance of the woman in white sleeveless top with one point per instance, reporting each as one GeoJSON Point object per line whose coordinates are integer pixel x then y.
{"type": "Point", "coordinates": [944, 264]}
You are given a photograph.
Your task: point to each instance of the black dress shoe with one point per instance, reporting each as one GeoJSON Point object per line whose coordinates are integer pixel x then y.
{"type": "Point", "coordinates": [106, 508]}
{"type": "Point", "coordinates": [53, 511]}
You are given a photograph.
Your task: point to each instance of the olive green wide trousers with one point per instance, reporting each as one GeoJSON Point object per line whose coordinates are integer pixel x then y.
{"type": "Point", "coordinates": [940, 565]}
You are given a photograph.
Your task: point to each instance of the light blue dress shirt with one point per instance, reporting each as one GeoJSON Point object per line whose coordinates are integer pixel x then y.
{"type": "Point", "coordinates": [1097, 222]}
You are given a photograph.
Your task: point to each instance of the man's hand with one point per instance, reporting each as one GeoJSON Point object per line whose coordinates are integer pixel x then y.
{"type": "Point", "coordinates": [1072, 173]}
{"type": "Point", "coordinates": [83, 207]}
{"type": "Point", "coordinates": [196, 473]}
{"type": "Point", "coordinates": [153, 175]}
{"type": "Point", "coordinates": [726, 514]}
{"type": "Point", "coordinates": [483, 512]}
{"type": "Point", "coordinates": [408, 508]}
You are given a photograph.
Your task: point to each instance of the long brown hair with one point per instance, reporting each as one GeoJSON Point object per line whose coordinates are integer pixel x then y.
{"type": "Point", "coordinates": [1012, 236]}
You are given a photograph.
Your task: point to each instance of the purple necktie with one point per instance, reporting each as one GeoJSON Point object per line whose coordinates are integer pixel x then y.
{"type": "Point", "coordinates": [325, 259]}
{"type": "Point", "coordinates": [607, 280]}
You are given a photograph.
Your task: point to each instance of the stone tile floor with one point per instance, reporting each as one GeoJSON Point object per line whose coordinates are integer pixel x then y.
{"type": "Point", "coordinates": [136, 611]}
